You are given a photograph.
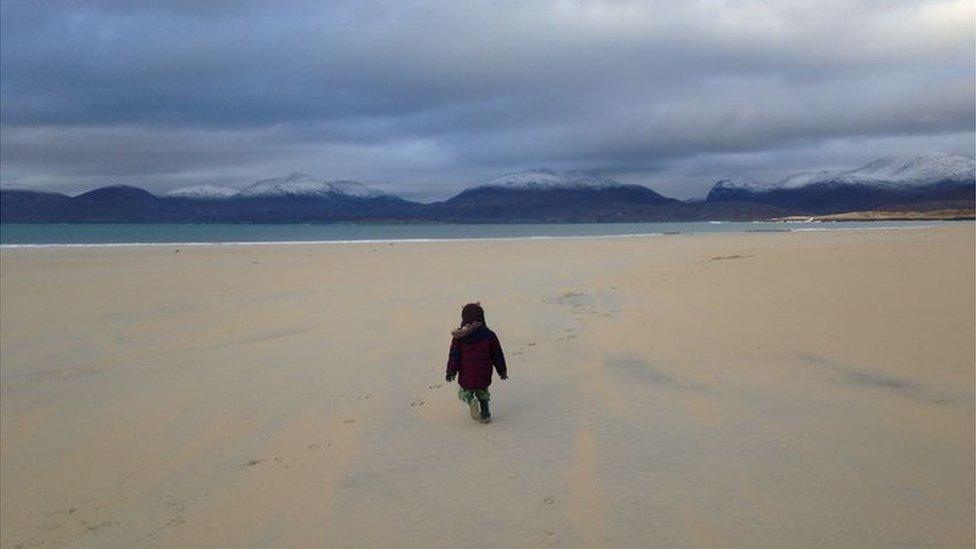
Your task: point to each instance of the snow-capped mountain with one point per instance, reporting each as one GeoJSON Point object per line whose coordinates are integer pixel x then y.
{"type": "Point", "coordinates": [303, 184]}
{"type": "Point", "coordinates": [800, 179]}
{"type": "Point", "coordinates": [885, 181]}
{"type": "Point", "coordinates": [296, 184]}
{"type": "Point", "coordinates": [792, 181]}
{"type": "Point", "coordinates": [888, 172]}
{"type": "Point", "coordinates": [913, 171]}
{"type": "Point", "coordinates": [543, 178]}
{"type": "Point", "coordinates": [532, 196]}
{"type": "Point", "coordinates": [204, 192]}
{"type": "Point", "coordinates": [736, 184]}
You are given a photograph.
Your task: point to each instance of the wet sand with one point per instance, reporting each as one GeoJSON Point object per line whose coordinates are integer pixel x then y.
{"type": "Point", "coordinates": [738, 390]}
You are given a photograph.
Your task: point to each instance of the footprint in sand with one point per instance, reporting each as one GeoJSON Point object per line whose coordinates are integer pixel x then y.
{"type": "Point", "coordinates": [256, 462]}
{"type": "Point", "coordinates": [99, 526]}
{"type": "Point", "coordinates": [416, 403]}
{"type": "Point", "coordinates": [549, 501]}
{"type": "Point", "coordinates": [55, 520]}
{"type": "Point", "coordinates": [70, 511]}
{"type": "Point", "coordinates": [531, 344]}
{"type": "Point", "coordinates": [733, 256]}
{"type": "Point", "coordinates": [349, 421]}
{"type": "Point", "coordinates": [177, 508]}
{"type": "Point", "coordinates": [277, 460]}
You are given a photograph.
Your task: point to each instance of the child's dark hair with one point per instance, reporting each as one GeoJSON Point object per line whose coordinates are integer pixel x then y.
{"type": "Point", "coordinates": [472, 312]}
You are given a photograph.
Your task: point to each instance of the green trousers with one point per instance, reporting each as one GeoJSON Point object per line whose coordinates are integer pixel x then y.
{"type": "Point", "coordinates": [467, 394]}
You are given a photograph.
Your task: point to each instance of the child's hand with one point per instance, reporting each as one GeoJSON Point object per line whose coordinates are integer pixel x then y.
{"type": "Point", "coordinates": [504, 376]}
{"type": "Point", "coordinates": [450, 377]}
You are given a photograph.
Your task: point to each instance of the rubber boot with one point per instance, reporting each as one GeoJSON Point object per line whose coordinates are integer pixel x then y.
{"type": "Point", "coordinates": [475, 409]}
{"type": "Point", "coordinates": [485, 413]}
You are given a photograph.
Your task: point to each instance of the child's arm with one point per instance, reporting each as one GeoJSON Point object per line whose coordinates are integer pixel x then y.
{"type": "Point", "coordinates": [453, 360]}
{"type": "Point", "coordinates": [498, 358]}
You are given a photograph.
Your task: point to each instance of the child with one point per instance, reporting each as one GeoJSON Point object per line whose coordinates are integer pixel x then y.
{"type": "Point", "coordinates": [474, 349]}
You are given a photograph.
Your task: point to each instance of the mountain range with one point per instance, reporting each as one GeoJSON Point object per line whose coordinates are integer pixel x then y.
{"type": "Point", "coordinates": [539, 195]}
{"type": "Point", "coordinates": [883, 182]}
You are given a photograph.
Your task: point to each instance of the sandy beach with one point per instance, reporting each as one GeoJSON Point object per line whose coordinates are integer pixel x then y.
{"type": "Point", "coordinates": [808, 389]}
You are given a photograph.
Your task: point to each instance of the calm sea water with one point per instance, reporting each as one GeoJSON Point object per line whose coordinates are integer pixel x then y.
{"type": "Point", "coordinates": [119, 234]}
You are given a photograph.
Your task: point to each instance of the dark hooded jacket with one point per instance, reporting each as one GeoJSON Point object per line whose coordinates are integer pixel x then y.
{"type": "Point", "coordinates": [474, 350]}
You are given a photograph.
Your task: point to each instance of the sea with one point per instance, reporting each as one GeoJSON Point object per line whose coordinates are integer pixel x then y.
{"type": "Point", "coordinates": [15, 235]}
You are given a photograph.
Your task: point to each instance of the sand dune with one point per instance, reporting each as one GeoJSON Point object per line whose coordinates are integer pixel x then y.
{"type": "Point", "coordinates": [738, 390]}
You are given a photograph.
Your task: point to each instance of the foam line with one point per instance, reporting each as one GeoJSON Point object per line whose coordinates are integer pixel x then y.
{"type": "Point", "coordinates": [429, 240]}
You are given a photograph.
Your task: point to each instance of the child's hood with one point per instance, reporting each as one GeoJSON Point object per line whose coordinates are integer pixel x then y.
{"type": "Point", "coordinates": [469, 329]}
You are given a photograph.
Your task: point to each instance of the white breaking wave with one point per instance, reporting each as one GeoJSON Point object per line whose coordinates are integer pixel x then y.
{"type": "Point", "coordinates": [317, 242]}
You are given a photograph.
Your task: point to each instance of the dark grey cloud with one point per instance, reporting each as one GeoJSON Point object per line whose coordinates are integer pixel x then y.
{"type": "Point", "coordinates": [426, 97]}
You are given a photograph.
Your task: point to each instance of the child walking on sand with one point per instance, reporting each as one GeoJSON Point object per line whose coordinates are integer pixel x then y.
{"type": "Point", "coordinates": [474, 350]}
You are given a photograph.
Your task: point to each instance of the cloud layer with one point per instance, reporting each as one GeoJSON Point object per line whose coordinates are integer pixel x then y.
{"type": "Point", "coordinates": [423, 98]}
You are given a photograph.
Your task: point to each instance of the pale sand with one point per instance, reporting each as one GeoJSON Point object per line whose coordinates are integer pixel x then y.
{"type": "Point", "coordinates": [750, 390]}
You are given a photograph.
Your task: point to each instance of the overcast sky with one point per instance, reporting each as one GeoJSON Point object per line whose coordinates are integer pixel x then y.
{"type": "Point", "coordinates": [424, 98]}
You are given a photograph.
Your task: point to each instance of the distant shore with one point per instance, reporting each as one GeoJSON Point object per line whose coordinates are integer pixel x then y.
{"type": "Point", "coordinates": [83, 235]}
{"type": "Point", "coordinates": [880, 215]}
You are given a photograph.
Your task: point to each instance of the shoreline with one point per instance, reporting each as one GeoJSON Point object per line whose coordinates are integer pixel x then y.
{"type": "Point", "coordinates": [868, 216]}
{"type": "Point", "coordinates": [786, 229]}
